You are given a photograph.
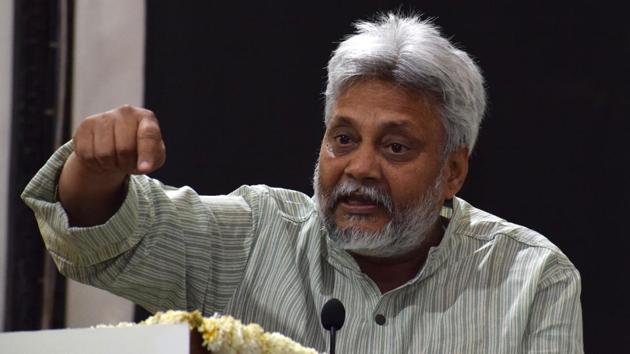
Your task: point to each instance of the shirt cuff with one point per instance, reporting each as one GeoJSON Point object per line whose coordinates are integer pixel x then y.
{"type": "Point", "coordinates": [83, 246]}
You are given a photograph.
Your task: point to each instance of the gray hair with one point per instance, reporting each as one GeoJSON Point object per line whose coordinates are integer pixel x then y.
{"type": "Point", "coordinates": [412, 53]}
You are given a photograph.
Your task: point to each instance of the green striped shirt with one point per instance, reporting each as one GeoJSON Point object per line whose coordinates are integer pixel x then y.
{"type": "Point", "coordinates": [261, 255]}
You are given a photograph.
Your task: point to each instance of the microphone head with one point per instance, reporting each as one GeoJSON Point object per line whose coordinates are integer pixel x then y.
{"type": "Point", "coordinates": [333, 315]}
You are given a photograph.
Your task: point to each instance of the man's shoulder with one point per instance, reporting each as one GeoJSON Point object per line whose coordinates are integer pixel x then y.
{"type": "Point", "coordinates": [488, 228]}
{"type": "Point", "coordinates": [291, 204]}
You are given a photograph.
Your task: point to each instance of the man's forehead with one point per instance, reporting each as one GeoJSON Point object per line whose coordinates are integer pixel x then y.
{"type": "Point", "coordinates": [388, 112]}
{"type": "Point", "coordinates": [386, 94]}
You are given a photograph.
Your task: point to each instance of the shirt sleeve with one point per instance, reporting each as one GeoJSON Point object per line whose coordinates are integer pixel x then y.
{"type": "Point", "coordinates": [165, 248]}
{"type": "Point", "coordinates": [555, 321]}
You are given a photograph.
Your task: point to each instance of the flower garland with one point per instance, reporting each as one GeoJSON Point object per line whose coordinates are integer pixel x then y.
{"type": "Point", "coordinates": [225, 334]}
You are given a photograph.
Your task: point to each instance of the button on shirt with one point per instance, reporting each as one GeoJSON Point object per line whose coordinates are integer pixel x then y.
{"type": "Point", "coordinates": [261, 254]}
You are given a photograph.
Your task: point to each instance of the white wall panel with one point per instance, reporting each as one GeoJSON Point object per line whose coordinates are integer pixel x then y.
{"type": "Point", "coordinates": [6, 57]}
{"type": "Point", "coordinates": [108, 72]}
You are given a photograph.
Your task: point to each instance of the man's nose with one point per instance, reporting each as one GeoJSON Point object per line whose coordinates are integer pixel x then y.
{"type": "Point", "coordinates": [364, 164]}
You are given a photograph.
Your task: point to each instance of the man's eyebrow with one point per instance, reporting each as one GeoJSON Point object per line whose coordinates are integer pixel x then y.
{"type": "Point", "coordinates": [343, 121]}
{"type": "Point", "coordinates": [397, 126]}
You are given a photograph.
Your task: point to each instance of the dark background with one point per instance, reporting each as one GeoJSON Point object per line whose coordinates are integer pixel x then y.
{"type": "Point", "coordinates": [237, 88]}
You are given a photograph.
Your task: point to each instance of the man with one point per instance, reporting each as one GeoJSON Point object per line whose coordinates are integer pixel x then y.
{"type": "Point", "coordinates": [418, 269]}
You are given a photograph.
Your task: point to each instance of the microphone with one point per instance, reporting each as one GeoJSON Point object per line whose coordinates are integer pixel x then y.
{"type": "Point", "coordinates": [333, 317]}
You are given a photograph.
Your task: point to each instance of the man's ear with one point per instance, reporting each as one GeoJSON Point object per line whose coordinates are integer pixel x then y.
{"type": "Point", "coordinates": [455, 173]}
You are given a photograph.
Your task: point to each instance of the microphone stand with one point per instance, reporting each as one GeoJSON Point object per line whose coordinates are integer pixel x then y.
{"type": "Point", "coordinates": [333, 332]}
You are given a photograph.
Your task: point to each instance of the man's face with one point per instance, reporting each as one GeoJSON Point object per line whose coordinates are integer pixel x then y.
{"type": "Point", "coordinates": [390, 141]}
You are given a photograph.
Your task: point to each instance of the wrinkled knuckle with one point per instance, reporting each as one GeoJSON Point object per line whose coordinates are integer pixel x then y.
{"type": "Point", "coordinates": [98, 121]}
{"type": "Point", "coordinates": [126, 109]}
{"type": "Point", "coordinates": [104, 156]}
{"type": "Point", "coordinates": [87, 123]}
{"type": "Point", "coordinates": [106, 122]}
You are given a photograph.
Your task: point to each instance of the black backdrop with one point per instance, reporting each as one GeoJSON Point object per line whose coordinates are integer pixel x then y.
{"type": "Point", "coordinates": [237, 88]}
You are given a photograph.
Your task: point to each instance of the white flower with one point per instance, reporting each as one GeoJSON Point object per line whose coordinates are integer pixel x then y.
{"type": "Point", "coordinates": [227, 335]}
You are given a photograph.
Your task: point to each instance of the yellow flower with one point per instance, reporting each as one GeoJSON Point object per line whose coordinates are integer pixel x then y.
{"type": "Point", "coordinates": [193, 319]}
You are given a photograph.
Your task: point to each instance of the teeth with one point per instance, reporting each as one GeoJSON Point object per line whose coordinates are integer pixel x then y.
{"type": "Point", "coordinates": [359, 200]}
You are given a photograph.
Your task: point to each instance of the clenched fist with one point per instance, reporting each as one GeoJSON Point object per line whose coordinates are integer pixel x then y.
{"type": "Point", "coordinates": [107, 148]}
{"type": "Point", "coordinates": [125, 140]}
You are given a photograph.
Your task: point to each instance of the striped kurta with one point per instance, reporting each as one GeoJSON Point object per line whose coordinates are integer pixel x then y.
{"type": "Point", "coordinates": [261, 255]}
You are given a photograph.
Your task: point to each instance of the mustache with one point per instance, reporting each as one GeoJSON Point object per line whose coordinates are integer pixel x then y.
{"type": "Point", "coordinates": [371, 193]}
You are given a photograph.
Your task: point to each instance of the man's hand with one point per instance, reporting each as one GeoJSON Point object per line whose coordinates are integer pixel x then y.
{"type": "Point", "coordinates": [107, 148]}
{"type": "Point", "coordinates": [126, 140]}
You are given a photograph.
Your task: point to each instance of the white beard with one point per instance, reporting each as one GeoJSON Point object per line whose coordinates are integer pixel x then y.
{"type": "Point", "coordinates": [404, 232]}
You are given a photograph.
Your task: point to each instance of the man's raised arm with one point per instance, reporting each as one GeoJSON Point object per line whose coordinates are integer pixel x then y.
{"type": "Point", "coordinates": [107, 148]}
{"type": "Point", "coordinates": [159, 246]}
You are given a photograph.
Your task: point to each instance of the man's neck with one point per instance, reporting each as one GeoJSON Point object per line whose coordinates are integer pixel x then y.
{"type": "Point", "coordinates": [390, 273]}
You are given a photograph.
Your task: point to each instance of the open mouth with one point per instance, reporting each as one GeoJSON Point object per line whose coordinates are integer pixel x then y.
{"type": "Point", "coordinates": [358, 203]}
{"type": "Point", "coordinates": [357, 199]}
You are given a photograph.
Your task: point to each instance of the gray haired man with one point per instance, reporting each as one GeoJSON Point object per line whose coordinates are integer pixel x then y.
{"type": "Point", "coordinates": [418, 269]}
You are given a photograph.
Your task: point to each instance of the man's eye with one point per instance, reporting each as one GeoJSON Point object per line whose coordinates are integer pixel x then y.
{"type": "Point", "coordinates": [397, 148]}
{"type": "Point", "coordinates": [343, 139]}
